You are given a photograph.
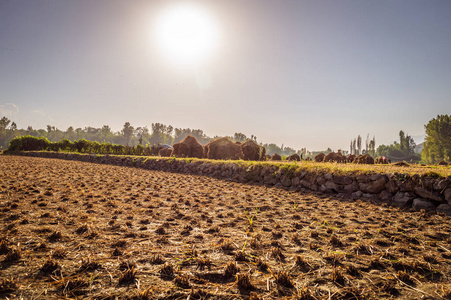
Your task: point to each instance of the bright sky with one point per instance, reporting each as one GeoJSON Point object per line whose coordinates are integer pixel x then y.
{"type": "Point", "coordinates": [309, 74]}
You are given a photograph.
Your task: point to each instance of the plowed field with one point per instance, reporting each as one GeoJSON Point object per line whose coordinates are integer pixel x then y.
{"type": "Point", "coordinates": [78, 230]}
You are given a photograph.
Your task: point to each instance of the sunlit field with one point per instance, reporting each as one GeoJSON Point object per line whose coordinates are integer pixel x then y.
{"type": "Point", "coordinates": [252, 150]}
{"type": "Point", "coordinates": [73, 229]}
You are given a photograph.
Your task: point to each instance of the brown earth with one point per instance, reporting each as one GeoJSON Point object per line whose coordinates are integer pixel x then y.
{"type": "Point", "coordinates": [72, 229]}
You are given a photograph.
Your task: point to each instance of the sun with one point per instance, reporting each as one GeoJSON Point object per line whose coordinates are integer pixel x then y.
{"type": "Point", "coordinates": [186, 34]}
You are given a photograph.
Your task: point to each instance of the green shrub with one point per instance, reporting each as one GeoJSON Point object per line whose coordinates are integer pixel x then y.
{"type": "Point", "coordinates": [82, 145]}
{"type": "Point", "coordinates": [28, 143]}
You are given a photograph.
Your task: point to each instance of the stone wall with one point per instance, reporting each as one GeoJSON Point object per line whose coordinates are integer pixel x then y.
{"type": "Point", "coordinates": [403, 190]}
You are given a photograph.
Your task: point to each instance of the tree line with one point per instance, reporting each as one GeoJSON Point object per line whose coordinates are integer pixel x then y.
{"type": "Point", "coordinates": [128, 136]}
{"type": "Point", "coordinates": [436, 148]}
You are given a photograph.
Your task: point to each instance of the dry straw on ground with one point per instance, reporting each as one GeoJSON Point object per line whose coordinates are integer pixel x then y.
{"type": "Point", "coordinates": [78, 230]}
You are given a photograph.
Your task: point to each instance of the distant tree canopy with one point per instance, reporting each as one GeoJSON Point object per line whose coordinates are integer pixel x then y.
{"type": "Point", "coordinates": [128, 136]}
{"type": "Point", "coordinates": [437, 145]}
{"type": "Point", "coordinates": [404, 150]}
{"type": "Point", "coordinates": [355, 147]}
{"type": "Point", "coordinates": [8, 131]}
{"type": "Point", "coordinates": [284, 151]}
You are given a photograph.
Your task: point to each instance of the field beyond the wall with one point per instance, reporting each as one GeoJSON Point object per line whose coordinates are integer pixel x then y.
{"type": "Point", "coordinates": [77, 229]}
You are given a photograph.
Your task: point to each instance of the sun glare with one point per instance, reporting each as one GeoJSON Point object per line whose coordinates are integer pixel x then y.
{"type": "Point", "coordinates": [186, 34]}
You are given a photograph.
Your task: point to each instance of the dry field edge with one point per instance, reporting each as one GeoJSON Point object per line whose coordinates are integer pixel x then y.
{"type": "Point", "coordinates": [412, 187]}
{"type": "Point", "coordinates": [80, 230]}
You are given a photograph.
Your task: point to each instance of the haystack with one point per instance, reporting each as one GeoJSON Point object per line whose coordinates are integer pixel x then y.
{"type": "Point", "coordinates": [189, 147]}
{"type": "Point", "coordinates": [320, 157]}
{"type": "Point", "coordinates": [381, 160]}
{"type": "Point", "coordinates": [401, 164]}
{"type": "Point", "coordinates": [364, 159]}
{"type": "Point", "coordinates": [294, 157]}
{"type": "Point", "coordinates": [222, 148]}
{"type": "Point", "coordinates": [253, 151]}
{"type": "Point", "coordinates": [165, 152]}
{"type": "Point", "coordinates": [276, 156]}
{"type": "Point", "coordinates": [350, 158]}
{"type": "Point", "coordinates": [333, 157]}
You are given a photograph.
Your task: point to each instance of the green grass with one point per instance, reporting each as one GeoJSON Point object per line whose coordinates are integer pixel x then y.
{"type": "Point", "coordinates": [291, 169]}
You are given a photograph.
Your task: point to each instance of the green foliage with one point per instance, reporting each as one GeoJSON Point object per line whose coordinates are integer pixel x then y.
{"type": "Point", "coordinates": [402, 151]}
{"type": "Point", "coordinates": [31, 143]}
{"type": "Point", "coordinates": [181, 133]}
{"type": "Point", "coordinates": [28, 143]}
{"type": "Point", "coordinates": [437, 145]}
{"type": "Point", "coordinates": [8, 130]}
{"type": "Point", "coordinates": [282, 151]}
{"type": "Point", "coordinates": [127, 132]}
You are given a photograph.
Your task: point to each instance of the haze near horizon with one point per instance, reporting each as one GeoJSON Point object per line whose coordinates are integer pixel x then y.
{"type": "Point", "coordinates": [311, 74]}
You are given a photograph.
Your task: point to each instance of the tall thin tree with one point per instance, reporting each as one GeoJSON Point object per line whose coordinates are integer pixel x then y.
{"type": "Point", "coordinates": [359, 144]}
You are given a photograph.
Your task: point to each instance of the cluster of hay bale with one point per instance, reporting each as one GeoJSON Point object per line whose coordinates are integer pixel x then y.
{"type": "Point", "coordinates": [221, 148]}
{"type": "Point", "coordinates": [340, 158]}
{"type": "Point", "coordinates": [225, 149]}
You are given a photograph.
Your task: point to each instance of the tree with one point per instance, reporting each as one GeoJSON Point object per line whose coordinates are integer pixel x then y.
{"type": "Point", "coordinates": [437, 145]}
{"type": "Point", "coordinates": [367, 143]}
{"type": "Point", "coordinates": [359, 144]}
{"type": "Point", "coordinates": [140, 132]}
{"type": "Point", "coordinates": [240, 137]}
{"type": "Point", "coordinates": [272, 149]}
{"type": "Point", "coordinates": [70, 133]}
{"type": "Point", "coordinates": [4, 122]}
{"type": "Point", "coordinates": [406, 143]}
{"type": "Point", "coordinates": [127, 133]}
{"type": "Point", "coordinates": [372, 147]}
{"type": "Point", "coordinates": [404, 150]}
{"type": "Point", "coordinates": [161, 134]}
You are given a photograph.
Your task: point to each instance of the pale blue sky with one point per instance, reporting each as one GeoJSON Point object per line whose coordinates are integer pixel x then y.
{"type": "Point", "coordinates": [309, 74]}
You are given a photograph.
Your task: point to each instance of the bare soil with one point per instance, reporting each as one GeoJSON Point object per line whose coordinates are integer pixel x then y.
{"type": "Point", "coordinates": [79, 230]}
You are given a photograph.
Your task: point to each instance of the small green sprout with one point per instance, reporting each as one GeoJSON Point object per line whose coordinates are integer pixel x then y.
{"type": "Point", "coordinates": [251, 219]}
